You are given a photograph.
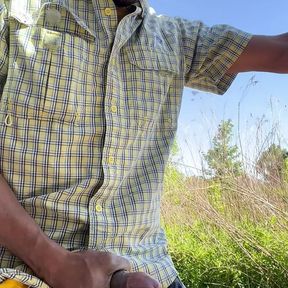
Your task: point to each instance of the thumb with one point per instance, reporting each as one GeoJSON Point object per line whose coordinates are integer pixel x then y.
{"type": "Point", "coordinates": [119, 263]}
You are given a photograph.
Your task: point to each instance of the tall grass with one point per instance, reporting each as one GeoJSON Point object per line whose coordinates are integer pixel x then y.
{"type": "Point", "coordinates": [230, 233]}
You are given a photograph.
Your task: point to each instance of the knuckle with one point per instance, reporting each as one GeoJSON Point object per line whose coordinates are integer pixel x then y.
{"type": "Point", "coordinates": [109, 256]}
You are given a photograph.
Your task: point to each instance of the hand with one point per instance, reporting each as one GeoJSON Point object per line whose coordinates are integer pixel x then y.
{"type": "Point", "coordinates": [87, 269]}
{"type": "Point", "coordinates": [58, 267]}
{"type": "Point", "coordinates": [124, 279]}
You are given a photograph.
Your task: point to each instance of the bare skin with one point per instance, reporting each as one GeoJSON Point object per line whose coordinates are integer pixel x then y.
{"type": "Point", "coordinates": [122, 3]}
{"type": "Point", "coordinates": [122, 12]}
{"type": "Point", "coordinates": [58, 267]}
{"type": "Point", "coordinates": [130, 280]}
{"type": "Point", "coordinates": [263, 53]}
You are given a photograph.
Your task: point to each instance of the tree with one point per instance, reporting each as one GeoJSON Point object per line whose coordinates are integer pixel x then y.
{"type": "Point", "coordinates": [272, 164]}
{"type": "Point", "coordinates": [222, 158]}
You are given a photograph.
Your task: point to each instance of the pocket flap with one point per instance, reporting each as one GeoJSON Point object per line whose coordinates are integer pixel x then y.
{"type": "Point", "coordinates": [153, 60]}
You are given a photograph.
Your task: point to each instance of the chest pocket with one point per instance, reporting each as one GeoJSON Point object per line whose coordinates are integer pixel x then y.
{"type": "Point", "coordinates": [49, 64]}
{"type": "Point", "coordinates": [152, 73]}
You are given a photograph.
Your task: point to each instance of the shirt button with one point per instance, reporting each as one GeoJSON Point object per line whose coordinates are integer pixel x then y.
{"type": "Point", "coordinates": [108, 11]}
{"type": "Point", "coordinates": [113, 109]}
{"type": "Point", "coordinates": [98, 208]}
{"type": "Point", "coordinates": [111, 160]}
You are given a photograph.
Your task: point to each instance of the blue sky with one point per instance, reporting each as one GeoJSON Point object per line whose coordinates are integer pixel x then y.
{"type": "Point", "coordinates": [263, 106]}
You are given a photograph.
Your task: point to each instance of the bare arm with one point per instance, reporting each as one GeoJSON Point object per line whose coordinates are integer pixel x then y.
{"type": "Point", "coordinates": [20, 234]}
{"type": "Point", "coordinates": [264, 53]}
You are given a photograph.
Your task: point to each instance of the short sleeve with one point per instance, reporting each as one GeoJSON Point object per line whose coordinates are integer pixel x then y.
{"type": "Point", "coordinates": [209, 52]}
{"type": "Point", "coordinates": [3, 46]}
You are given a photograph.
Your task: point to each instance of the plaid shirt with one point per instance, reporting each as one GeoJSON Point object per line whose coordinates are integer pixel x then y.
{"type": "Point", "coordinates": [88, 114]}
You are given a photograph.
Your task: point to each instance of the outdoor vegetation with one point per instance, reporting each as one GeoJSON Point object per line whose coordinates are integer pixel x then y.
{"type": "Point", "coordinates": [228, 226]}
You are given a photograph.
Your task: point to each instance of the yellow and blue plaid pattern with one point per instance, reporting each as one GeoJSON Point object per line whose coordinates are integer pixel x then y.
{"type": "Point", "coordinates": [87, 117]}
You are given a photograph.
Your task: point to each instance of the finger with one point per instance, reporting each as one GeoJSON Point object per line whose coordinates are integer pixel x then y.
{"type": "Point", "coordinates": [141, 280]}
{"type": "Point", "coordinates": [119, 263]}
{"type": "Point", "coordinates": [118, 279]}
{"type": "Point", "coordinates": [155, 283]}
{"type": "Point", "coordinates": [151, 282]}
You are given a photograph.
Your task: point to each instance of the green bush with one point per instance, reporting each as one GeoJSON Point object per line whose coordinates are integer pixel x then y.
{"type": "Point", "coordinates": [207, 256]}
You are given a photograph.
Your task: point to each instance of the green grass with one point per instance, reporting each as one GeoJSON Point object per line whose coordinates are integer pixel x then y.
{"type": "Point", "coordinates": [207, 256]}
{"type": "Point", "coordinates": [232, 235]}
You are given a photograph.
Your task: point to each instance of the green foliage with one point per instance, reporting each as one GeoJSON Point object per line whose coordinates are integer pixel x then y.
{"type": "Point", "coordinates": [272, 164]}
{"type": "Point", "coordinates": [175, 148]}
{"type": "Point", "coordinates": [228, 231]}
{"type": "Point", "coordinates": [203, 261]}
{"type": "Point", "coordinates": [172, 178]}
{"type": "Point", "coordinates": [222, 158]}
{"type": "Point", "coordinates": [225, 233]}
{"type": "Point", "coordinates": [215, 192]}
{"type": "Point", "coordinates": [285, 170]}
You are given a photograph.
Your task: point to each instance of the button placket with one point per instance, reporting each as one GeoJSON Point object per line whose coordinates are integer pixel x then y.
{"type": "Point", "coordinates": [113, 107]}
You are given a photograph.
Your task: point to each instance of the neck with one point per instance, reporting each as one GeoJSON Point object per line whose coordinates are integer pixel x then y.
{"type": "Point", "coordinates": [123, 11]}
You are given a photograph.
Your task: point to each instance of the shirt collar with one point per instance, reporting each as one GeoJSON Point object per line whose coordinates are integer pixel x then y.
{"type": "Point", "coordinates": [145, 7]}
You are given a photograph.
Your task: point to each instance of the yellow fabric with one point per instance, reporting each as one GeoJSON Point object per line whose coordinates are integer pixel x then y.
{"type": "Point", "coordinates": [12, 284]}
{"type": "Point", "coordinates": [88, 114]}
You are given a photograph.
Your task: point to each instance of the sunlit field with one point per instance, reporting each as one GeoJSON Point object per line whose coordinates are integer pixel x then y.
{"type": "Point", "coordinates": [230, 230]}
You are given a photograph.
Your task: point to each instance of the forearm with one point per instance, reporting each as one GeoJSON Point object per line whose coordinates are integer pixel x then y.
{"type": "Point", "coordinates": [20, 234]}
{"type": "Point", "coordinates": [281, 65]}
{"type": "Point", "coordinates": [264, 53]}
{"type": "Point", "coordinates": [57, 267]}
